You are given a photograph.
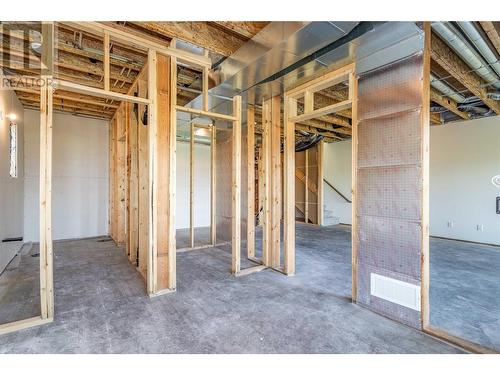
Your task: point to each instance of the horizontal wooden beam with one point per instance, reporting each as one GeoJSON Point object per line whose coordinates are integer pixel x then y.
{"type": "Point", "coordinates": [208, 114]}
{"type": "Point", "coordinates": [323, 111]}
{"type": "Point", "coordinates": [74, 87]}
{"type": "Point", "coordinates": [448, 103]}
{"type": "Point", "coordinates": [492, 29]}
{"type": "Point", "coordinates": [325, 80]}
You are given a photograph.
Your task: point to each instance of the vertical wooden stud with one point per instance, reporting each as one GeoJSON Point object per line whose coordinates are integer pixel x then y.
{"type": "Point", "coordinates": [251, 182]}
{"type": "Point", "coordinates": [213, 185]}
{"type": "Point", "coordinates": [205, 88]}
{"type": "Point", "coordinates": [191, 185]}
{"type": "Point", "coordinates": [152, 125]}
{"type": "Point", "coordinates": [46, 103]}
{"type": "Point", "coordinates": [353, 94]}
{"type": "Point", "coordinates": [424, 288]}
{"type": "Point", "coordinates": [289, 186]}
{"type": "Point", "coordinates": [236, 187]}
{"type": "Point", "coordinates": [143, 162]}
{"type": "Point", "coordinates": [106, 61]}
{"type": "Point", "coordinates": [306, 188]}
{"type": "Point", "coordinates": [275, 181]}
{"type": "Point", "coordinates": [319, 158]}
{"type": "Point", "coordinates": [266, 173]}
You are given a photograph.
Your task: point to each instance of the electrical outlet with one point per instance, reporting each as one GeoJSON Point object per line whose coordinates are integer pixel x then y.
{"type": "Point", "coordinates": [450, 224]}
{"type": "Point", "coordinates": [1, 115]}
{"type": "Point", "coordinates": [480, 227]}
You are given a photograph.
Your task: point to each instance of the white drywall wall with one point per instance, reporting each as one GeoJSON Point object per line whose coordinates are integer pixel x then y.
{"type": "Point", "coordinates": [464, 156]}
{"type": "Point", "coordinates": [338, 172]}
{"type": "Point", "coordinates": [201, 185]}
{"type": "Point", "coordinates": [11, 189]}
{"type": "Point", "coordinates": [79, 176]}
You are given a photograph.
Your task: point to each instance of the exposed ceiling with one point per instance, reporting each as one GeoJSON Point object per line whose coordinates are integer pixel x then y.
{"type": "Point", "coordinates": [80, 59]}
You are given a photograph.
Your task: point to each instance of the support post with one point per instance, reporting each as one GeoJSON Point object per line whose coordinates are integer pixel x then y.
{"type": "Point", "coordinates": [289, 186]}
{"type": "Point", "coordinates": [46, 102]}
{"type": "Point", "coordinates": [191, 186]}
{"type": "Point", "coordinates": [251, 182]}
{"type": "Point", "coordinates": [424, 288]}
{"type": "Point", "coordinates": [276, 181]}
{"type": "Point", "coordinates": [319, 159]}
{"type": "Point", "coordinates": [306, 187]}
{"type": "Point", "coordinates": [213, 186]}
{"type": "Point", "coordinates": [353, 93]}
{"type": "Point", "coordinates": [271, 111]}
{"type": "Point", "coordinates": [106, 61]}
{"type": "Point", "coordinates": [162, 123]}
{"type": "Point", "coordinates": [236, 187]}
{"type": "Point", "coordinates": [266, 173]}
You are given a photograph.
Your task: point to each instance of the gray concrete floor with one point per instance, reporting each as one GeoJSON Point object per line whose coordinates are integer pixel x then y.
{"type": "Point", "coordinates": [101, 306]}
{"type": "Point", "coordinates": [201, 237]}
{"type": "Point", "coordinates": [465, 290]}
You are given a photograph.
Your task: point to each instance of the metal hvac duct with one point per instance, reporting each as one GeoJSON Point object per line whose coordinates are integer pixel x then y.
{"type": "Point", "coordinates": [452, 37]}
{"type": "Point", "coordinates": [446, 90]}
{"type": "Point", "coordinates": [470, 29]}
{"type": "Point", "coordinates": [281, 44]}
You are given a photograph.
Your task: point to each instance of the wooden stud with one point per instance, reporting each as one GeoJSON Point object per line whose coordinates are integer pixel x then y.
{"type": "Point", "coordinates": [106, 63]}
{"type": "Point", "coordinates": [132, 184]}
{"type": "Point", "coordinates": [202, 113]}
{"type": "Point", "coordinates": [306, 188]}
{"type": "Point", "coordinates": [289, 186]}
{"type": "Point", "coordinates": [213, 186]}
{"type": "Point", "coordinates": [353, 87]}
{"type": "Point", "coordinates": [319, 193]}
{"type": "Point", "coordinates": [205, 88]}
{"type": "Point", "coordinates": [191, 185]}
{"type": "Point", "coordinates": [333, 108]}
{"type": "Point", "coordinates": [266, 174]}
{"type": "Point", "coordinates": [23, 324]}
{"type": "Point", "coordinates": [143, 170]}
{"type": "Point", "coordinates": [251, 182]}
{"type": "Point", "coordinates": [236, 187]}
{"type": "Point", "coordinates": [172, 257]}
{"type": "Point", "coordinates": [45, 226]}
{"type": "Point", "coordinates": [87, 90]}
{"type": "Point", "coordinates": [275, 181]}
{"type": "Point", "coordinates": [425, 145]}
{"type": "Point", "coordinates": [152, 217]}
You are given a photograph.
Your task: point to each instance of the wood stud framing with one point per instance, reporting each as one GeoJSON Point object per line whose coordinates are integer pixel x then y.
{"type": "Point", "coordinates": [307, 91]}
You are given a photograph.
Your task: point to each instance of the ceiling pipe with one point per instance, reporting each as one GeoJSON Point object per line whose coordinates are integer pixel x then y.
{"type": "Point", "coordinates": [494, 95]}
{"type": "Point", "coordinates": [446, 90]}
{"type": "Point", "coordinates": [470, 29]}
{"type": "Point", "coordinates": [452, 37]}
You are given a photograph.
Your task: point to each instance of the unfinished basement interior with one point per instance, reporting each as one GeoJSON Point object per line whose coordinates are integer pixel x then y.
{"type": "Point", "coordinates": [250, 187]}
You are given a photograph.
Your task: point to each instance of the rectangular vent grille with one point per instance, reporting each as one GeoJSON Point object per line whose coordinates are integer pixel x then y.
{"type": "Point", "coordinates": [395, 291]}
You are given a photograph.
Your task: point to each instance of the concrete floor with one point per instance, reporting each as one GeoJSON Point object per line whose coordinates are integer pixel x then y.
{"type": "Point", "coordinates": [201, 237]}
{"type": "Point", "coordinates": [465, 290]}
{"type": "Point", "coordinates": [101, 306]}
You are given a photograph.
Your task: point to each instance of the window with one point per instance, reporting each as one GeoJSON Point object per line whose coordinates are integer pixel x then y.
{"type": "Point", "coordinates": [13, 150]}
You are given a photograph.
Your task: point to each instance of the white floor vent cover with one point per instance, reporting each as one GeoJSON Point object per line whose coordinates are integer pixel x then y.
{"type": "Point", "coordinates": [395, 291]}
